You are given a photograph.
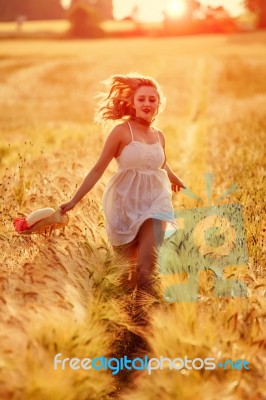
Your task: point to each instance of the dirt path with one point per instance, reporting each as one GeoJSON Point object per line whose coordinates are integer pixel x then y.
{"type": "Point", "coordinates": [193, 144]}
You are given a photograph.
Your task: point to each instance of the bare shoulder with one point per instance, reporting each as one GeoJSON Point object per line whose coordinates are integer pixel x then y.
{"type": "Point", "coordinates": [117, 132]}
{"type": "Point", "coordinates": [110, 149]}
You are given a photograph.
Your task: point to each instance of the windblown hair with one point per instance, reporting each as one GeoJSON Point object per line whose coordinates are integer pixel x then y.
{"type": "Point", "coordinates": [117, 102]}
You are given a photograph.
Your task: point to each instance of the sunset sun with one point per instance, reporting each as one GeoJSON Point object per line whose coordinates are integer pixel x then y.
{"type": "Point", "coordinates": [155, 10]}
{"type": "Point", "coordinates": [176, 8]}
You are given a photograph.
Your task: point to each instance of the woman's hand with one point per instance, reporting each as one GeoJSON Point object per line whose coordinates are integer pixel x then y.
{"type": "Point", "coordinates": [67, 207]}
{"type": "Point", "coordinates": [177, 185]}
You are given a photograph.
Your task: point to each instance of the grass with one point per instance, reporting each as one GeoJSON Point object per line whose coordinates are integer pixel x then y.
{"type": "Point", "coordinates": [62, 295]}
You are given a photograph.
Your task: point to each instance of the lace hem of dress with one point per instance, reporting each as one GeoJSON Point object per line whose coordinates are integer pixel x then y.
{"type": "Point", "coordinates": [121, 230]}
{"type": "Point", "coordinates": [118, 230]}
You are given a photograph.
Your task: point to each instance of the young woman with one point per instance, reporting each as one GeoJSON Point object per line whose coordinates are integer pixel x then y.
{"type": "Point", "coordinates": [137, 201]}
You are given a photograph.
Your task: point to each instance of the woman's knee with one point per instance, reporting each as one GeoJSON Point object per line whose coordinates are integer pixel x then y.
{"type": "Point", "coordinates": [147, 259]}
{"type": "Point", "coordinates": [129, 249]}
{"type": "Point", "coordinates": [151, 234]}
{"type": "Point", "coordinates": [152, 231]}
{"type": "Point", "coordinates": [146, 270]}
{"type": "Point", "coordinates": [147, 254]}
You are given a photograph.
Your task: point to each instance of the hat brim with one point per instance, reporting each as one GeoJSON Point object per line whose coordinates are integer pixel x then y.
{"type": "Point", "coordinates": [48, 224]}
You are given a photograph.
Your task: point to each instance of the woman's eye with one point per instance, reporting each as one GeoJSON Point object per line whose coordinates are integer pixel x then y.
{"type": "Point", "coordinates": [151, 100]}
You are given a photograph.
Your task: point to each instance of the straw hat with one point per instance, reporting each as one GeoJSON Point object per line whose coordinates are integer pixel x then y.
{"type": "Point", "coordinates": [44, 220]}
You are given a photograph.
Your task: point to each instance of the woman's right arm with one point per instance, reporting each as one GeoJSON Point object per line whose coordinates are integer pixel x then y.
{"type": "Point", "coordinates": [108, 152]}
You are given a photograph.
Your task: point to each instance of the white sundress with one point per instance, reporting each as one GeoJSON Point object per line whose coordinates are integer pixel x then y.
{"type": "Point", "coordinates": [139, 190]}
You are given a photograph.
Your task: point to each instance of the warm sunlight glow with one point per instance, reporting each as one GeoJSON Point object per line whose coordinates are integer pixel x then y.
{"type": "Point", "coordinates": [176, 8]}
{"type": "Point", "coordinates": [143, 11]}
{"type": "Point", "coordinates": [65, 3]}
{"type": "Point", "coordinates": [154, 10]}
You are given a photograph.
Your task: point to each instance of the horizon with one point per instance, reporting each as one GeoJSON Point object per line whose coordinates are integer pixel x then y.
{"type": "Point", "coordinates": [122, 9]}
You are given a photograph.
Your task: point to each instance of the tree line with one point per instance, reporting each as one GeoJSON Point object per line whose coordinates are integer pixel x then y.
{"type": "Point", "coordinates": [10, 10]}
{"type": "Point", "coordinates": [86, 15]}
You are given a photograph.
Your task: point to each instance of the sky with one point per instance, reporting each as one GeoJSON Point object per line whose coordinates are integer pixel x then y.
{"type": "Point", "coordinates": [152, 10]}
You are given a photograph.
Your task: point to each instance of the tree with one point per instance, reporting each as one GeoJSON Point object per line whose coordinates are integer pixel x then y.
{"type": "Point", "coordinates": [84, 19]}
{"type": "Point", "coordinates": [259, 8]}
{"type": "Point", "coordinates": [31, 9]}
{"type": "Point", "coordinates": [103, 7]}
{"type": "Point", "coordinates": [217, 19]}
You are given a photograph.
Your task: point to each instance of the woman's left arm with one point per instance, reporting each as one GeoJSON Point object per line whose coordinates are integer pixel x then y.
{"type": "Point", "coordinates": [177, 183]}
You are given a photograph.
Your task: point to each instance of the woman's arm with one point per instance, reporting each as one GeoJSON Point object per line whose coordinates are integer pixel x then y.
{"type": "Point", "coordinates": [177, 183]}
{"type": "Point", "coordinates": [108, 152]}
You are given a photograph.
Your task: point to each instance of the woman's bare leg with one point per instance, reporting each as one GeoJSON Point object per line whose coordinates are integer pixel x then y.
{"type": "Point", "coordinates": [150, 238]}
{"type": "Point", "coordinates": [130, 252]}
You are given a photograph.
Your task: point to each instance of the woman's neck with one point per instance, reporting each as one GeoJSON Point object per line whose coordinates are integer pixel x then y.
{"type": "Point", "coordinates": [141, 121]}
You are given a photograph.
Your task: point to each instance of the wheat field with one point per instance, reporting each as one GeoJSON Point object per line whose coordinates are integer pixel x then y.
{"type": "Point", "coordinates": [61, 294]}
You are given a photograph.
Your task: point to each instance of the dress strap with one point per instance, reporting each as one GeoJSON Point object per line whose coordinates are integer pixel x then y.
{"type": "Point", "coordinates": [158, 136]}
{"type": "Point", "coordinates": [130, 131]}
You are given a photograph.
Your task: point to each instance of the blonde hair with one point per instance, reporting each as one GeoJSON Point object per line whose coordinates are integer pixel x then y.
{"type": "Point", "coordinates": [117, 102]}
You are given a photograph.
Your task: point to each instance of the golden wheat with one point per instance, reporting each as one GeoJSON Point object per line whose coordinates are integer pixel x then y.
{"type": "Point", "coordinates": [62, 294]}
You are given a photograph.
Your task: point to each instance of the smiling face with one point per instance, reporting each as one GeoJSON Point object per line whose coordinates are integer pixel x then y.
{"type": "Point", "coordinates": [146, 102]}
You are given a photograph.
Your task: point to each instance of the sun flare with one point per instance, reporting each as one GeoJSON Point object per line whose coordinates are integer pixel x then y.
{"type": "Point", "coordinates": [176, 8]}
